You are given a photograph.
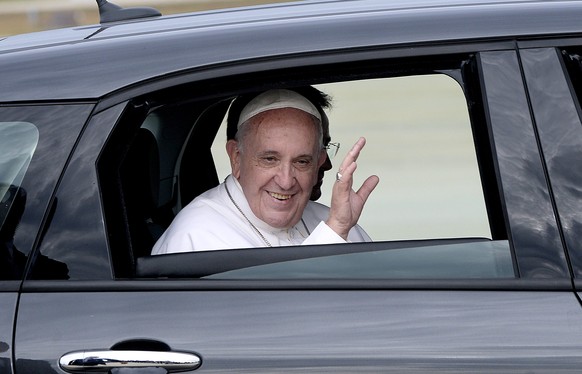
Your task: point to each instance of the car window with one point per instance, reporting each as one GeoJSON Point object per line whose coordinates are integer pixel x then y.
{"type": "Point", "coordinates": [556, 98]}
{"type": "Point", "coordinates": [35, 144]}
{"type": "Point", "coordinates": [466, 258]}
{"type": "Point", "coordinates": [18, 141]}
{"type": "Point", "coordinates": [428, 217]}
{"type": "Point", "coordinates": [420, 144]}
{"type": "Point", "coordinates": [469, 260]}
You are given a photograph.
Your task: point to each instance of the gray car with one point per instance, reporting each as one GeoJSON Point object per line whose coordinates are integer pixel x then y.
{"type": "Point", "coordinates": [473, 120]}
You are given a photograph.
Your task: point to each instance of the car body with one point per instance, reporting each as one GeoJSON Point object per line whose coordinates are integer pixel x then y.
{"type": "Point", "coordinates": [472, 115]}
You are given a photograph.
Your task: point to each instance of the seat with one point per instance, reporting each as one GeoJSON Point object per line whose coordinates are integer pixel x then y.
{"type": "Point", "coordinates": [197, 168]}
{"type": "Point", "coordinates": [147, 216]}
{"type": "Point", "coordinates": [140, 185]}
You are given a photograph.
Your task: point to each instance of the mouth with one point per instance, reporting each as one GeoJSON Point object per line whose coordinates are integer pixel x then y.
{"type": "Point", "coordinates": [280, 197]}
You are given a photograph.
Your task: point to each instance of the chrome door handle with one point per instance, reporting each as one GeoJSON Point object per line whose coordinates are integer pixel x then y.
{"type": "Point", "coordinates": [96, 361]}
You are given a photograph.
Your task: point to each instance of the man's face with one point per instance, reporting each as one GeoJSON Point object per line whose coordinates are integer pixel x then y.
{"type": "Point", "coordinates": [278, 164]}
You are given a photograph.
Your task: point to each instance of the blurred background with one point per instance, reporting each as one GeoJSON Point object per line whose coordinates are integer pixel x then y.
{"type": "Point", "coordinates": [23, 16]}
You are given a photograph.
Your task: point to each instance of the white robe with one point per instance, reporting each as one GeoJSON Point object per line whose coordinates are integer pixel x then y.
{"type": "Point", "coordinates": [211, 221]}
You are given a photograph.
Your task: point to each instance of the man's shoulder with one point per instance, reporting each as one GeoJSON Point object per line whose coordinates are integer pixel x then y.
{"type": "Point", "coordinates": [317, 207]}
{"type": "Point", "coordinates": [316, 211]}
{"type": "Point", "coordinates": [209, 198]}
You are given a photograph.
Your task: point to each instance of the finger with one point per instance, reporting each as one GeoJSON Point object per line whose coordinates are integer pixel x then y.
{"type": "Point", "coordinates": [367, 187]}
{"type": "Point", "coordinates": [353, 153]}
{"type": "Point", "coordinates": [358, 145]}
{"type": "Point", "coordinates": [347, 174]}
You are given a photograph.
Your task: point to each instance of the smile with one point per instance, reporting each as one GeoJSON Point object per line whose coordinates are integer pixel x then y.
{"type": "Point", "coordinates": [279, 196]}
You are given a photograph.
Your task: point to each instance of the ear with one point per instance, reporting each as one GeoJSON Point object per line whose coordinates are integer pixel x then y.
{"type": "Point", "coordinates": [234, 156]}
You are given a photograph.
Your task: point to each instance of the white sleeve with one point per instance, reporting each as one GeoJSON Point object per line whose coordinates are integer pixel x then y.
{"type": "Point", "coordinates": [323, 234]}
{"type": "Point", "coordinates": [357, 234]}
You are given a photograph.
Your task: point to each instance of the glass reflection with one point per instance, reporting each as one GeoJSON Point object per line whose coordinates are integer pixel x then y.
{"type": "Point", "coordinates": [77, 223]}
{"type": "Point", "coordinates": [560, 132]}
{"type": "Point", "coordinates": [35, 142]}
{"type": "Point", "coordinates": [534, 232]}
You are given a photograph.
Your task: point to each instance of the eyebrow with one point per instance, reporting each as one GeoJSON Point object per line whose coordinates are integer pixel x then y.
{"type": "Point", "coordinates": [267, 153]}
{"type": "Point", "coordinates": [275, 153]}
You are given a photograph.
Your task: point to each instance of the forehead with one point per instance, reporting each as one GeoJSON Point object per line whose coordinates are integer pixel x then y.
{"type": "Point", "coordinates": [288, 125]}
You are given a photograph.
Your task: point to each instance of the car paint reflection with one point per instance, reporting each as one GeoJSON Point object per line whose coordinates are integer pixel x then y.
{"type": "Point", "coordinates": [531, 217]}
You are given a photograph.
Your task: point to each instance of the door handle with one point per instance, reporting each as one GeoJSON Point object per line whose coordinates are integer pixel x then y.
{"type": "Point", "coordinates": [102, 361]}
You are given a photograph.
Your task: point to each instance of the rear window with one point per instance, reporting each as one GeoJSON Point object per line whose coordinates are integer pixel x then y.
{"type": "Point", "coordinates": [18, 142]}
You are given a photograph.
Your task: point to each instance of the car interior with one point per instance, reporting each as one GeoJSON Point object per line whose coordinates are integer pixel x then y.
{"type": "Point", "coordinates": [167, 164]}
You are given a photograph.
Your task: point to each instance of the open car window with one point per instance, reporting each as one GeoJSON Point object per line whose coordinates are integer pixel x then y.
{"type": "Point", "coordinates": [419, 143]}
{"type": "Point", "coordinates": [428, 217]}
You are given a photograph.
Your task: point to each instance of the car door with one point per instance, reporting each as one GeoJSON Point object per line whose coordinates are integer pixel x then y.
{"type": "Point", "coordinates": [495, 304]}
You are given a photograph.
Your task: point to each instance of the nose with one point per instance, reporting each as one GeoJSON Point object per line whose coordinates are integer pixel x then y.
{"type": "Point", "coordinates": [285, 176]}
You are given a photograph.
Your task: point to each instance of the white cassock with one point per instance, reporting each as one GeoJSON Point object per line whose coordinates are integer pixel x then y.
{"type": "Point", "coordinates": [212, 221]}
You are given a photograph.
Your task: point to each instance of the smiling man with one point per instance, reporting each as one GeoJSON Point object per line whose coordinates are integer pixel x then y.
{"type": "Point", "coordinates": [275, 157]}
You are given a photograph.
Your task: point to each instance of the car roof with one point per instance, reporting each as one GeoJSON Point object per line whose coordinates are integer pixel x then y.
{"type": "Point", "coordinates": [93, 61]}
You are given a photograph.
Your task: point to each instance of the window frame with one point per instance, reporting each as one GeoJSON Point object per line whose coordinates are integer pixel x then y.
{"type": "Point", "coordinates": [453, 65]}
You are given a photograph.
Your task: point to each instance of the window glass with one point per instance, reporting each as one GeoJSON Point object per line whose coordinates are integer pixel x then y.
{"type": "Point", "coordinates": [420, 144]}
{"type": "Point", "coordinates": [18, 142]}
{"type": "Point", "coordinates": [432, 260]}
{"type": "Point", "coordinates": [560, 129]}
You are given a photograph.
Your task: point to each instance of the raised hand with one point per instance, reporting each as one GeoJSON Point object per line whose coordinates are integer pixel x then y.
{"type": "Point", "coordinates": [346, 204]}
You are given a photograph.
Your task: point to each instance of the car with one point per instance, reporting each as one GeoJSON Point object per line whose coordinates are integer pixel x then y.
{"type": "Point", "coordinates": [472, 114]}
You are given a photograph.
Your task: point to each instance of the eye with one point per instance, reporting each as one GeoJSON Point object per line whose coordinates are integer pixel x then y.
{"type": "Point", "coordinates": [303, 163]}
{"type": "Point", "coordinates": [268, 160]}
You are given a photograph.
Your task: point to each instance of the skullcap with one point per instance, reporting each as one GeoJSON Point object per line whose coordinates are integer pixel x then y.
{"type": "Point", "coordinates": [277, 99]}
